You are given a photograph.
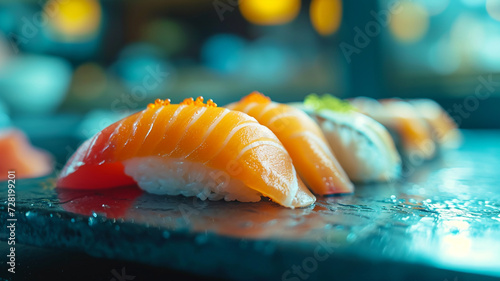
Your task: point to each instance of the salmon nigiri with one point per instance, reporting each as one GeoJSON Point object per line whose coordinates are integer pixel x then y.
{"type": "Point", "coordinates": [190, 149]}
{"type": "Point", "coordinates": [444, 129]}
{"type": "Point", "coordinates": [404, 120]}
{"type": "Point", "coordinates": [20, 156]}
{"type": "Point", "coordinates": [303, 139]}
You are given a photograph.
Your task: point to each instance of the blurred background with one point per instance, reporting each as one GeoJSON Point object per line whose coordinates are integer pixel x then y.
{"type": "Point", "coordinates": [79, 65]}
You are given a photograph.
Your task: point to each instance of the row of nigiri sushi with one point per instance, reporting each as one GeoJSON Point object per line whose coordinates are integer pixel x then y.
{"type": "Point", "coordinates": [421, 126]}
{"type": "Point", "coordinates": [251, 148]}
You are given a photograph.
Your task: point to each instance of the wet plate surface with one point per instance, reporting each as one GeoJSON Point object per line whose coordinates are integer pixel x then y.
{"type": "Point", "coordinates": [441, 221]}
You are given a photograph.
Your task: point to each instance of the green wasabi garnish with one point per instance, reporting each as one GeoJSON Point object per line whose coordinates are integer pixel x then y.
{"type": "Point", "coordinates": [327, 101]}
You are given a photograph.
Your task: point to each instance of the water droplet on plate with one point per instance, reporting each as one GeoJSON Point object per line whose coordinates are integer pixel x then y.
{"type": "Point", "coordinates": [351, 237]}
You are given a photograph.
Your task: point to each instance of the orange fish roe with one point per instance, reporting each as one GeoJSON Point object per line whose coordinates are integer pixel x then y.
{"type": "Point", "coordinates": [256, 97]}
{"type": "Point", "coordinates": [188, 101]}
{"type": "Point", "coordinates": [159, 102]}
{"type": "Point", "coordinates": [198, 102]}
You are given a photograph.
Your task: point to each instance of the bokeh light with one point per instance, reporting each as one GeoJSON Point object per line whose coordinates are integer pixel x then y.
{"type": "Point", "coordinates": [326, 15]}
{"type": "Point", "coordinates": [443, 57]}
{"type": "Point", "coordinates": [34, 84]}
{"type": "Point", "coordinates": [411, 24]}
{"type": "Point", "coordinates": [463, 28]}
{"type": "Point", "coordinates": [75, 20]}
{"type": "Point", "coordinates": [267, 61]}
{"type": "Point", "coordinates": [265, 12]}
{"type": "Point", "coordinates": [435, 7]}
{"type": "Point", "coordinates": [143, 70]}
{"type": "Point", "coordinates": [473, 3]}
{"type": "Point", "coordinates": [4, 116]}
{"type": "Point", "coordinates": [493, 8]}
{"type": "Point", "coordinates": [223, 53]}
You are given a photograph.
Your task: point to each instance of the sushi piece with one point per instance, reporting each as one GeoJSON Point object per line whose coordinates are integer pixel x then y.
{"type": "Point", "coordinates": [303, 139]}
{"type": "Point", "coordinates": [190, 149]}
{"type": "Point", "coordinates": [444, 129]}
{"type": "Point", "coordinates": [20, 156]}
{"type": "Point", "coordinates": [363, 147]}
{"type": "Point", "coordinates": [406, 124]}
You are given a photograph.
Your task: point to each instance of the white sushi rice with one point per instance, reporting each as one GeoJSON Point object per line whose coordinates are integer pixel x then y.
{"type": "Point", "coordinates": [166, 176]}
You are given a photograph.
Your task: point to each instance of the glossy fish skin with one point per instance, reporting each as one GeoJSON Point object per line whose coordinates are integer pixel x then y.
{"type": "Point", "coordinates": [363, 147]}
{"type": "Point", "coordinates": [303, 139]}
{"type": "Point", "coordinates": [221, 139]}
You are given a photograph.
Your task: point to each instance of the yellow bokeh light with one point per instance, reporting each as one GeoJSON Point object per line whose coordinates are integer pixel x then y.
{"type": "Point", "coordinates": [411, 23]}
{"type": "Point", "coordinates": [269, 12]}
{"type": "Point", "coordinates": [493, 8]}
{"type": "Point", "coordinates": [326, 16]}
{"type": "Point", "coordinates": [75, 19]}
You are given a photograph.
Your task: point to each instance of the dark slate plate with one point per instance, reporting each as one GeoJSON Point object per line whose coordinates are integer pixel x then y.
{"type": "Point", "coordinates": [441, 222]}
